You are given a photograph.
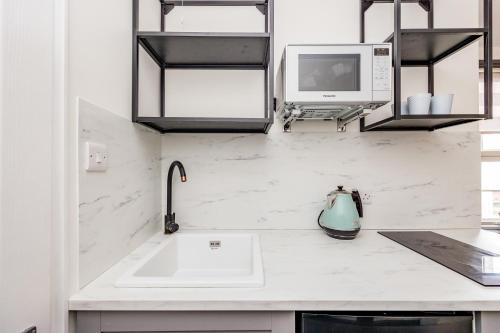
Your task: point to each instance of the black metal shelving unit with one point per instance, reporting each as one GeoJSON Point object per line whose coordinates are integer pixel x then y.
{"type": "Point", "coordinates": [205, 50]}
{"type": "Point", "coordinates": [426, 48]}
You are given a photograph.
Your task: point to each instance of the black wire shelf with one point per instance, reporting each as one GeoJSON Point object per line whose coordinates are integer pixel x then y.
{"type": "Point", "coordinates": [206, 125]}
{"type": "Point", "coordinates": [423, 47]}
{"type": "Point", "coordinates": [207, 50]}
{"type": "Point", "coordinates": [423, 122]}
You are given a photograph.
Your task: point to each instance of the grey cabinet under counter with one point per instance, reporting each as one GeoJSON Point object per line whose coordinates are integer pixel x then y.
{"type": "Point", "coordinates": [185, 321]}
{"type": "Point", "coordinates": [246, 322]}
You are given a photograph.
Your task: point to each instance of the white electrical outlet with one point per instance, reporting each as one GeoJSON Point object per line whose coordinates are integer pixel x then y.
{"type": "Point", "coordinates": [96, 157]}
{"type": "Point", "coordinates": [366, 198]}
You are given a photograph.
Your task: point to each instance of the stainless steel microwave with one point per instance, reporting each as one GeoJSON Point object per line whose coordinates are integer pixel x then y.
{"type": "Point", "coordinates": [331, 81]}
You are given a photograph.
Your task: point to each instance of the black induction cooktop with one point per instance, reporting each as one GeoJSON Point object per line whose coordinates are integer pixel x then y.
{"type": "Point", "coordinates": [477, 264]}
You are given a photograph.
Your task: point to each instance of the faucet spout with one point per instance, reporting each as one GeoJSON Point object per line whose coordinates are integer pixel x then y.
{"type": "Point", "coordinates": [170, 225]}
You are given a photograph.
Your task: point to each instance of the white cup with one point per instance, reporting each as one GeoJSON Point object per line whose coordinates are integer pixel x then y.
{"type": "Point", "coordinates": [419, 104]}
{"type": "Point", "coordinates": [442, 104]}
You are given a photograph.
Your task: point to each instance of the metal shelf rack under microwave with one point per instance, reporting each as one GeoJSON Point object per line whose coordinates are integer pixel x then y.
{"type": "Point", "coordinates": [343, 114]}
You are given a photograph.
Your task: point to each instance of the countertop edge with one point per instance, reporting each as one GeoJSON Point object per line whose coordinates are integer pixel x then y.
{"type": "Point", "coordinates": [397, 305]}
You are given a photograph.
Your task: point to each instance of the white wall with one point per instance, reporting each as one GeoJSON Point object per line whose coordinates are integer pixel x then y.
{"type": "Point", "coordinates": [100, 49]}
{"type": "Point", "coordinates": [99, 55]}
{"type": "Point", "coordinates": [32, 285]}
{"type": "Point", "coordinates": [99, 71]}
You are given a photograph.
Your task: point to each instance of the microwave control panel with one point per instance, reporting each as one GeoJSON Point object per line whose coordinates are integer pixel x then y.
{"type": "Point", "coordinates": [382, 71]}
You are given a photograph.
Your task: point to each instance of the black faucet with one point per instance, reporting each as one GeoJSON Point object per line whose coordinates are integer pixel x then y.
{"type": "Point", "coordinates": [170, 225]}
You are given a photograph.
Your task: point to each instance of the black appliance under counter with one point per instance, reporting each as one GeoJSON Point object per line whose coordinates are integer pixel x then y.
{"type": "Point", "coordinates": [384, 322]}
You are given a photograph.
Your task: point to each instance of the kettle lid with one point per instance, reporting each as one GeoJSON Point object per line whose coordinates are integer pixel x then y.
{"type": "Point", "coordinates": [340, 189]}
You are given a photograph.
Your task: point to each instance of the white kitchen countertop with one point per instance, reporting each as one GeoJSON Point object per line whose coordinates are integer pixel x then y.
{"type": "Point", "coordinates": [306, 270]}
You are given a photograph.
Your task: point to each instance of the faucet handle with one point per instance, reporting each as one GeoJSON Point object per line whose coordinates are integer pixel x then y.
{"type": "Point", "coordinates": [171, 228]}
{"type": "Point", "coordinates": [170, 225]}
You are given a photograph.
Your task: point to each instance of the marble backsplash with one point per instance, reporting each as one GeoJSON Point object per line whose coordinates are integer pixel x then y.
{"type": "Point", "coordinates": [276, 181]}
{"type": "Point", "coordinates": [280, 181]}
{"type": "Point", "coordinates": [120, 208]}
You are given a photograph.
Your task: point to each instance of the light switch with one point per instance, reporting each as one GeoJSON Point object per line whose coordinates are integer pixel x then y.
{"type": "Point", "coordinates": [96, 157]}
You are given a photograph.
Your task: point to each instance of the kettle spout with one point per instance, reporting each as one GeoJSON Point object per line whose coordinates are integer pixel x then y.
{"type": "Point", "coordinates": [330, 200]}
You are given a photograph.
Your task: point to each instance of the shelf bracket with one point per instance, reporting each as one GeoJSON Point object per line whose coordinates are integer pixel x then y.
{"type": "Point", "coordinates": [365, 4]}
{"type": "Point", "coordinates": [341, 128]}
{"type": "Point", "coordinates": [262, 9]}
{"type": "Point", "coordinates": [287, 126]}
{"type": "Point", "coordinates": [166, 8]}
{"type": "Point", "coordinates": [425, 4]}
{"type": "Point", "coordinates": [348, 118]}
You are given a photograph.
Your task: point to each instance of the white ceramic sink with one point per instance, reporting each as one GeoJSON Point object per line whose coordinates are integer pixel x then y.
{"type": "Point", "coordinates": [219, 260]}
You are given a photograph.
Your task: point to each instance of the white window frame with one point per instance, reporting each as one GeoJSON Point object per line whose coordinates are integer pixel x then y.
{"type": "Point", "coordinates": [490, 127]}
{"type": "Point", "coordinates": [490, 156]}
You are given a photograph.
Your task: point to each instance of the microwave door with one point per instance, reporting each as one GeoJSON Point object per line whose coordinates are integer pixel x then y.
{"type": "Point", "coordinates": [330, 74]}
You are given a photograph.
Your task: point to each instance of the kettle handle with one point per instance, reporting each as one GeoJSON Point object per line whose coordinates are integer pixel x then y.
{"type": "Point", "coordinates": [319, 216]}
{"type": "Point", "coordinates": [356, 197]}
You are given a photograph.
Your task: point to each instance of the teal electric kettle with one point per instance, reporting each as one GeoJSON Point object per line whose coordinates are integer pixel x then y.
{"type": "Point", "coordinates": [340, 218]}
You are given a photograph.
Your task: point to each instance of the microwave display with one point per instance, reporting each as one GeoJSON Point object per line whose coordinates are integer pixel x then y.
{"type": "Point", "coordinates": [329, 72]}
{"type": "Point", "coordinates": [381, 51]}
